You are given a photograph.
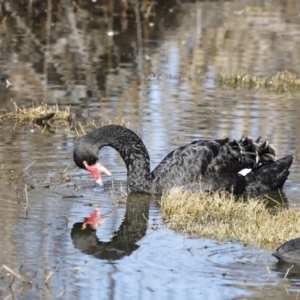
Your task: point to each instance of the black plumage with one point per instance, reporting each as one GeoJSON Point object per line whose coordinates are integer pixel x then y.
{"type": "Point", "coordinates": [204, 165]}
{"type": "Point", "coordinates": [289, 252]}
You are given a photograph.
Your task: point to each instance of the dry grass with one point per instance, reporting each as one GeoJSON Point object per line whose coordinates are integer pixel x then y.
{"type": "Point", "coordinates": [281, 82]}
{"type": "Point", "coordinates": [39, 112]}
{"type": "Point", "coordinates": [52, 116]}
{"type": "Point", "coordinates": [221, 216]}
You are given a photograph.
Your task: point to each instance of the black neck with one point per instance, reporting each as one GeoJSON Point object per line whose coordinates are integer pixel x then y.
{"type": "Point", "coordinates": [131, 149]}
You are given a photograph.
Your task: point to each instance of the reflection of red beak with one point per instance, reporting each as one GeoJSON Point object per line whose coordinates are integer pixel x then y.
{"type": "Point", "coordinates": [95, 171]}
{"type": "Point", "coordinates": [94, 219]}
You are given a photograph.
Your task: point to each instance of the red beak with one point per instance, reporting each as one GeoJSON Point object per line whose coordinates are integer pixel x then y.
{"type": "Point", "coordinates": [96, 170]}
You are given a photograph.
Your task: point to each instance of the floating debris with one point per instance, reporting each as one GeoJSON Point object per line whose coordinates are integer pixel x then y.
{"type": "Point", "coordinates": [222, 216]}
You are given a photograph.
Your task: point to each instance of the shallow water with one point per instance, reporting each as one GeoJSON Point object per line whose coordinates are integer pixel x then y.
{"type": "Point", "coordinates": [161, 77]}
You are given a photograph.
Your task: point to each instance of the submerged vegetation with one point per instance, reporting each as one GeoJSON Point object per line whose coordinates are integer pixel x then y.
{"type": "Point", "coordinates": [222, 216]}
{"type": "Point", "coordinates": [281, 82]}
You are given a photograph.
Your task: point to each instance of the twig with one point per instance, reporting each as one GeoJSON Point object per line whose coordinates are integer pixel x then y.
{"type": "Point", "coordinates": [7, 297]}
{"type": "Point", "coordinates": [60, 294]}
{"type": "Point", "coordinates": [48, 277]}
{"type": "Point", "coordinates": [281, 196]}
{"type": "Point", "coordinates": [83, 131]}
{"type": "Point", "coordinates": [26, 197]}
{"type": "Point", "coordinates": [76, 131]}
{"type": "Point", "coordinates": [145, 218]}
{"type": "Point", "coordinates": [13, 293]}
{"type": "Point", "coordinates": [268, 269]}
{"type": "Point", "coordinates": [287, 272]}
{"type": "Point", "coordinates": [29, 165]}
{"type": "Point", "coordinates": [13, 273]}
{"type": "Point", "coordinates": [66, 168]}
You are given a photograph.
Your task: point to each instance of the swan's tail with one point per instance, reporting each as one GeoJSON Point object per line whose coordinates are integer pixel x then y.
{"type": "Point", "coordinates": [259, 149]}
{"type": "Point", "coordinates": [266, 152]}
{"type": "Point", "coordinates": [269, 175]}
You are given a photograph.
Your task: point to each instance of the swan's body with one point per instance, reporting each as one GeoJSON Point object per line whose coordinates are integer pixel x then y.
{"type": "Point", "coordinates": [289, 251]}
{"type": "Point", "coordinates": [202, 165]}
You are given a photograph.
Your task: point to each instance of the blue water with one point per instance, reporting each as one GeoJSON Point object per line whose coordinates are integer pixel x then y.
{"type": "Point", "coordinates": [167, 92]}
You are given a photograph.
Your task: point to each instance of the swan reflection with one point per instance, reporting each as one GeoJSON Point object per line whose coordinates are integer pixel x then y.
{"type": "Point", "coordinates": [124, 240]}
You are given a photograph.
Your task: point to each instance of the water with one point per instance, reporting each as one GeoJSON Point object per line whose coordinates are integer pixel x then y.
{"type": "Point", "coordinates": [161, 77]}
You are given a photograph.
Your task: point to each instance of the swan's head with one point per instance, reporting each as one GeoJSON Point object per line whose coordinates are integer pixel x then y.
{"type": "Point", "coordinates": [96, 170]}
{"type": "Point", "coordinates": [87, 158]}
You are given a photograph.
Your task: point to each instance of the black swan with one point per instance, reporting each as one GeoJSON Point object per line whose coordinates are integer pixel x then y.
{"type": "Point", "coordinates": [289, 252]}
{"type": "Point", "coordinates": [201, 165]}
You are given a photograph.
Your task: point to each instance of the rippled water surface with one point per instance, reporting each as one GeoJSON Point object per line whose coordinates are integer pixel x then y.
{"type": "Point", "coordinates": [156, 66]}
